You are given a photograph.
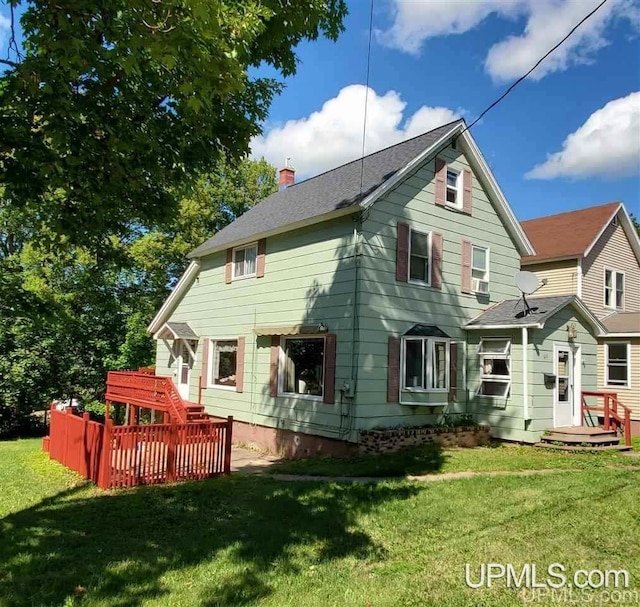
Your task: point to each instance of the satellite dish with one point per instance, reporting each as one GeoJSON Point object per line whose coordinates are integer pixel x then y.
{"type": "Point", "coordinates": [527, 282]}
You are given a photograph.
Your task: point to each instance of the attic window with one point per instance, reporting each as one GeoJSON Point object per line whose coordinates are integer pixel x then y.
{"type": "Point", "coordinates": [614, 222]}
{"type": "Point", "coordinates": [454, 193]}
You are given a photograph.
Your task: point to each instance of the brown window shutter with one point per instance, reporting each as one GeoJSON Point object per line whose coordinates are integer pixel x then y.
{"type": "Point", "coordinates": [441, 180]}
{"type": "Point", "coordinates": [261, 258]}
{"type": "Point", "coordinates": [204, 375]}
{"type": "Point", "coordinates": [227, 267]}
{"type": "Point", "coordinates": [453, 372]}
{"type": "Point", "coordinates": [393, 370]}
{"type": "Point", "coordinates": [402, 252]}
{"type": "Point", "coordinates": [465, 271]}
{"type": "Point", "coordinates": [273, 367]}
{"type": "Point", "coordinates": [240, 365]}
{"type": "Point", "coordinates": [467, 186]}
{"type": "Point", "coordinates": [436, 260]}
{"type": "Point", "coordinates": [329, 387]}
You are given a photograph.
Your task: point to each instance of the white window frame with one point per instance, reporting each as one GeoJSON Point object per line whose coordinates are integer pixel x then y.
{"type": "Point", "coordinates": [414, 281]}
{"type": "Point", "coordinates": [281, 367]}
{"type": "Point", "coordinates": [486, 270]}
{"type": "Point", "coordinates": [428, 348]}
{"type": "Point", "coordinates": [212, 361]}
{"type": "Point", "coordinates": [458, 189]}
{"type": "Point", "coordinates": [606, 364]}
{"type": "Point", "coordinates": [244, 247]}
{"type": "Point", "coordinates": [614, 293]}
{"type": "Point", "coordinates": [505, 355]}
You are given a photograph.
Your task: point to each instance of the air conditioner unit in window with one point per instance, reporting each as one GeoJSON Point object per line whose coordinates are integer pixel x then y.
{"type": "Point", "coordinates": [480, 286]}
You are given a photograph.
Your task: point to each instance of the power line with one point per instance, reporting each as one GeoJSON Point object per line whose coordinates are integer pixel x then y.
{"type": "Point", "coordinates": [519, 80]}
{"type": "Point", "coordinates": [366, 96]}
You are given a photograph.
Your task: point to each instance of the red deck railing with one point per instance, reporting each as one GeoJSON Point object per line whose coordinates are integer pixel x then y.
{"type": "Point", "coordinates": [143, 389]}
{"type": "Point", "coordinates": [126, 456]}
{"type": "Point", "coordinates": [616, 416]}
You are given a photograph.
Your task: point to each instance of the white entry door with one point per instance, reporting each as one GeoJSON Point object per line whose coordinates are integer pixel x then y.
{"type": "Point", "coordinates": [564, 400]}
{"type": "Point", "coordinates": [184, 362]}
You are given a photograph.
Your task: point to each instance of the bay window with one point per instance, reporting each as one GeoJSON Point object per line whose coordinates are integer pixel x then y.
{"type": "Point", "coordinates": [426, 364]}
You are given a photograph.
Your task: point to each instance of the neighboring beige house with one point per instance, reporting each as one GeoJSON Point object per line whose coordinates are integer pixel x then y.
{"type": "Point", "coordinates": [594, 253]}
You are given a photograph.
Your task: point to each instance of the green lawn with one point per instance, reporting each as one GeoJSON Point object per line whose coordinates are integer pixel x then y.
{"type": "Point", "coordinates": [251, 540]}
{"type": "Point", "coordinates": [431, 460]}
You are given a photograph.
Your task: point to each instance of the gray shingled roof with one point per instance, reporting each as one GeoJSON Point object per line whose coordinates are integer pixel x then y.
{"type": "Point", "coordinates": [330, 191]}
{"type": "Point", "coordinates": [510, 312]}
{"type": "Point", "coordinates": [623, 322]}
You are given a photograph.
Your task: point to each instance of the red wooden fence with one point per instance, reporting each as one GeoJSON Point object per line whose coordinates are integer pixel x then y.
{"type": "Point", "coordinates": [125, 456]}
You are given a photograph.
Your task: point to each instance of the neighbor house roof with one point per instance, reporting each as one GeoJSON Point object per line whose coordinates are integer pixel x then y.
{"type": "Point", "coordinates": [335, 190]}
{"type": "Point", "coordinates": [573, 234]}
{"type": "Point", "coordinates": [623, 323]}
{"type": "Point", "coordinates": [511, 313]}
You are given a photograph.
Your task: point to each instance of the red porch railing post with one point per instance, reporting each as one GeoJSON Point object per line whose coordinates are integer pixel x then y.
{"type": "Point", "coordinates": [104, 470]}
{"type": "Point", "coordinates": [627, 429]}
{"type": "Point", "coordinates": [227, 445]}
{"type": "Point", "coordinates": [606, 411]}
{"type": "Point", "coordinates": [171, 453]}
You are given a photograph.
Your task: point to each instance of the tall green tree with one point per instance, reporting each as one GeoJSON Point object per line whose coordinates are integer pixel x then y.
{"type": "Point", "coordinates": [110, 105]}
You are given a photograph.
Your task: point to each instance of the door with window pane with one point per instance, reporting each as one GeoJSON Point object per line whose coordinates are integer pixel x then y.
{"type": "Point", "coordinates": [184, 362]}
{"type": "Point", "coordinates": [564, 401]}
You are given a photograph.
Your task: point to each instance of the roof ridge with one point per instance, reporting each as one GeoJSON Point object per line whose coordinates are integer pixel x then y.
{"type": "Point", "coordinates": [361, 158]}
{"type": "Point", "coordinates": [581, 210]}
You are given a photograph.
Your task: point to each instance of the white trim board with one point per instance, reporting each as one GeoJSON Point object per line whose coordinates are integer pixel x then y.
{"type": "Point", "coordinates": [175, 296]}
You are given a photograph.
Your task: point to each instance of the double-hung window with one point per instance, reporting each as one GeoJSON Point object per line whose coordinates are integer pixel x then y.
{"type": "Point", "coordinates": [480, 269]}
{"type": "Point", "coordinates": [426, 364]}
{"type": "Point", "coordinates": [454, 188]}
{"type": "Point", "coordinates": [495, 367]}
{"type": "Point", "coordinates": [617, 364]}
{"type": "Point", "coordinates": [302, 365]}
{"type": "Point", "coordinates": [614, 289]}
{"type": "Point", "coordinates": [244, 261]}
{"type": "Point", "coordinates": [420, 257]}
{"type": "Point", "coordinates": [224, 362]}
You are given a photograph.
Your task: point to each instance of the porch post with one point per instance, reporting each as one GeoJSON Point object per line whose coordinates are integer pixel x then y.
{"type": "Point", "coordinates": [525, 374]}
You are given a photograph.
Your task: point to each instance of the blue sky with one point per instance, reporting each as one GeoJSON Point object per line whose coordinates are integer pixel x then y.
{"type": "Point", "coordinates": [419, 59]}
{"type": "Point", "coordinates": [435, 60]}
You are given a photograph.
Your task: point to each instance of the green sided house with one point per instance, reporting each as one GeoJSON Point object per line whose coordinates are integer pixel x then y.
{"type": "Point", "coordinates": [375, 295]}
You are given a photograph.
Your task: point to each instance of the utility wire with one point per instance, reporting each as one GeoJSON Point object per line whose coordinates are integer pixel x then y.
{"type": "Point", "coordinates": [519, 80]}
{"type": "Point", "coordinates": [366, 97]}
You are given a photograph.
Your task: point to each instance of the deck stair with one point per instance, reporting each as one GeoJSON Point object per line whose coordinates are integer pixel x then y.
{"type": "Point", "coordinates": [146, 390]}
{"type": "Point", "coordinates": [582, 438]}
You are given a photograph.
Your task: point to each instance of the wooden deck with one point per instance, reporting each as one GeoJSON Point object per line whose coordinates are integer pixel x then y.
{"type": "Point", "coordinates": [582, 438]}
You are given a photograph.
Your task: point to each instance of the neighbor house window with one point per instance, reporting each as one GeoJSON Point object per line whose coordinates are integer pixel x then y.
{"type": "Point", "coordinates": [617, 365]}
{"type": "Point", "coordinates": [419, 257]}
{"type": "Point", "coordinates": [302, 366]}
{"type": "Point", "coordinates": [426, 363]}
{"type": "Point", "coordinates": [495, 368]}
{"type": "Point", "coordinates": [224, 359]}
{"type": "Point", "coordinates": [454, 194]}
{"type": "Point", "coordinates": [613, 289]}
{"type": "Point", "coordinates": [480, 268]}
{"type": "Point", "coordinates": [244, 261]}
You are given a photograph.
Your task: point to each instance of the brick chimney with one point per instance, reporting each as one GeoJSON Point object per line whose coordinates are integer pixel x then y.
{"type": "Point", "coordinates": [287, 175]}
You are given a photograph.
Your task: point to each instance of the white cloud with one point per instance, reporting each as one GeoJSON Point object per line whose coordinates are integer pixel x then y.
{"type": "Point", "coordinates": [333, 135]}
{"type": "Point", "coordinates": [547, 22]}
{"type": "Point", "coordinates": [606, 145]}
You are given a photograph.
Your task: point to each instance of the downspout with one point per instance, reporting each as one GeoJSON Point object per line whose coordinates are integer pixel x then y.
{"type": "Point", "coordinates": [525, 373]}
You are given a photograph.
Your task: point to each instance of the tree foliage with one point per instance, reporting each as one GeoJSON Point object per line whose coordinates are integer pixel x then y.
{"type": "Point", "coordinates": [111, 105]}
{"type": "Point", "coordinates": [68, 314]}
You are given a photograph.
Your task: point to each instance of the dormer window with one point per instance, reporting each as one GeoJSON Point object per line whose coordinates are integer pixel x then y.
{"type": "Point", "coordinates": [454, 189]}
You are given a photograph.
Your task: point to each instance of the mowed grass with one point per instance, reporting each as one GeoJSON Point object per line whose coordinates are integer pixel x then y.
{"type": "Point", "coordinates": [429, 459]}
{"type": "Point", "coordinates": [252, 540]}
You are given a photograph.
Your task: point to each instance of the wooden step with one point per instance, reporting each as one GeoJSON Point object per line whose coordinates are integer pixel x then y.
{"type": "Point", "coordinates": [578, 448]}
{"type": "Point", "coordinates": [582, 430]}
{"type": "Point", "coordinates": [577, 439]}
